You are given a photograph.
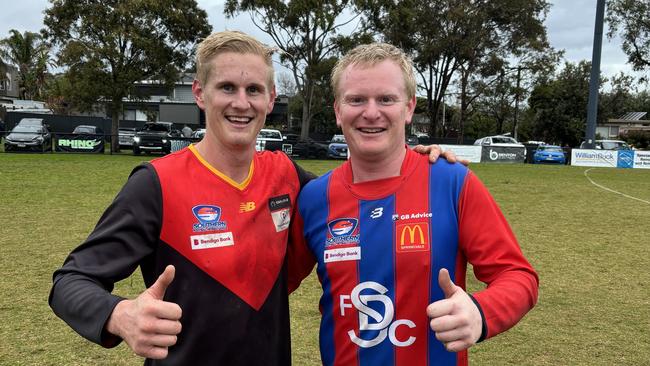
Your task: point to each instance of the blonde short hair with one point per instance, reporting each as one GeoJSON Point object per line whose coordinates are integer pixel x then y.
{"type": "Point", "coordinates": [371, 55]}
{"type": "Point", "coordinates": [230, 41]}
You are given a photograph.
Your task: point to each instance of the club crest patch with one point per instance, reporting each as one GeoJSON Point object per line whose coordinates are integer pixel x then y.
{"type": "Point", "coordinates": [209, 218]}
{"type": "Point", "coordinates": [343, 231]}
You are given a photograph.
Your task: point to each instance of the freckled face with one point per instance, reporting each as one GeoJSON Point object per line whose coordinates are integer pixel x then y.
{"type": "Point", "coordinates": [236, 99]}
{"type": "Point", "coordinates": [373, 108]}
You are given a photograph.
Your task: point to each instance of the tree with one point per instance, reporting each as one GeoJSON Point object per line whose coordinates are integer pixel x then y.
{"type": "Point", "coordinates": [307, 34]}
{"type": "Point", "coordinates": [559, 105]}
{"type": "Point", "coordinates": [30, 55]}
{"type": "Point", "coordinates": [447, 37]}
{"type": "Point", "coordinates": [109, 45]}
{"type": "Point", "coordinates": [631, 20]}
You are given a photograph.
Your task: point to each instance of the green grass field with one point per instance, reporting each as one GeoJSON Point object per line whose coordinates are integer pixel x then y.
{"type": "Point", "coordinates": [591, 249]}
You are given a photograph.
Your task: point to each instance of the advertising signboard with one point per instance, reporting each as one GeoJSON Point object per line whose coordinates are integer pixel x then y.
{"type": "Point", "coordinates": [79, 143]}
{"type": "Point", "coordinates": [468, 152]}
{"type": "Point", "coordinates": [595, 158]}
{"type": "Point", "coordinates": [641, 160]}
{"type": "Point", "coordinates": [500, 154]}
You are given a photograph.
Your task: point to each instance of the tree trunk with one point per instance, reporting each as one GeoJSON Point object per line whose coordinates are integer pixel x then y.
{"type": "Point", "coordinates": [306, 109]}
{"type": "Point", "coordinates": [516, 116]}
{"type": "Point", "coordinates": [116, 109]}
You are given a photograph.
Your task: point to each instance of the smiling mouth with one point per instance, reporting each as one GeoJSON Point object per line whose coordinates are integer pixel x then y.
{"type": "Point", "coordinates": [372, 130]}
{"type": "Point", "coordinates": [239, 120]}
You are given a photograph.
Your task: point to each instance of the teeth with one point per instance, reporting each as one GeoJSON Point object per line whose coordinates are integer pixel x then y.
{"type": "Point", "coordinates": [371, 130]}
{"type": "Point", "coordinates": [239, 119]}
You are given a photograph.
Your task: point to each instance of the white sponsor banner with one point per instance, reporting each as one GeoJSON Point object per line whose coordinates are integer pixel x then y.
{"type": "Point", "coordinates": [641, 159]}
{"type": "Point", "coordinates": [208, 241]}
{"type": "Point", "coordinates": [467, 152]}
{"type": "Point", "coordinates": [597, 158]}
{"type": "Point", "coordinates": [342, 254]}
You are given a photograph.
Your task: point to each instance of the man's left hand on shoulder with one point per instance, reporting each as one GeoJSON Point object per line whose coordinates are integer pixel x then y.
{"type": "Point", "coordinates": [435, 151]}
{"type": "Point", "coordinates": [455, 320]}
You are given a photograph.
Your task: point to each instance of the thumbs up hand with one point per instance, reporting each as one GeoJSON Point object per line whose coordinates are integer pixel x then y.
{"type": "Point", "coordinates": [456, 320]}
{"type": "Point", "coordinates": [148, 324]}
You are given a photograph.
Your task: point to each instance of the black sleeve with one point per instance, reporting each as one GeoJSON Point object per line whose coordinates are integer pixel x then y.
{"type": "Point", "coordinates": [125, 235]}
{"type": "Point", "coordinates": [303, 176]}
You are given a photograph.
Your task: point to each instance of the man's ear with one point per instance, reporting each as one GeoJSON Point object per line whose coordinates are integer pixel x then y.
{"type": "Point", "coordinates": [197, 91]}
{"type": "Point", "coordinates": [410, 109]}
{"type": "Point", "coordinates": [272, 95]}
{"type": "Point", "coordinates": [337, 112]}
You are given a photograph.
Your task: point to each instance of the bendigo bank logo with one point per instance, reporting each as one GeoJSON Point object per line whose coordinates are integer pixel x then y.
{"type": "Point", "coordinates": [209, 218]}
{"type": "Point", "coordinates": [413, 237]}
{"type": "Point", "coordinates": [342, 231]}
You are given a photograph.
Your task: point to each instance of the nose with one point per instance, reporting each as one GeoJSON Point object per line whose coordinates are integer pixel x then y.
{"type": "Point", "coordinates": [240, 100]}
{"type": "Point", "coordinates": [371, 110]}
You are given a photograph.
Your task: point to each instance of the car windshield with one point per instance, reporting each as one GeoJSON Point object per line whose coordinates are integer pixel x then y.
{"type": "Point", "coordinates": [339, 139]}
{"type": "Point", "coordinates": [550, 148]}
{"type": "Point", "coordinates": [27, 129]}
{"type": "Point", "coordinates": [155, 127]}
{"type": "Point", "coordinates": [84, 129]}
{"type": "Point", "coordinates": [269, 134]}
{"type": "Point", "coordinates": [504, 140]}
{"type": "Point", "coordinates": [614, 145]}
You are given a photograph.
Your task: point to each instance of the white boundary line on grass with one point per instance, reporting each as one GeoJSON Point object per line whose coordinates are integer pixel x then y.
{"type": "Point", "coordinates": [611, 190]}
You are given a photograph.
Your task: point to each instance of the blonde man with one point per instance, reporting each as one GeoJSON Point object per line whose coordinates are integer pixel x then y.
{"type": "Point", "coordinates": [387, 229]}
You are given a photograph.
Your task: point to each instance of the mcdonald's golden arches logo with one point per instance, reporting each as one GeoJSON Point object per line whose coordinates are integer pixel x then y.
{"type": "Point", "coordinates": [413, 237]}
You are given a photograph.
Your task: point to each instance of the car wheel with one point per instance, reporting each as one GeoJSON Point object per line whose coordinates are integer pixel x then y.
{"type": "Point", "coordinates": [322, 155]}
{"type": "Point", "coordinates": [136, 150]}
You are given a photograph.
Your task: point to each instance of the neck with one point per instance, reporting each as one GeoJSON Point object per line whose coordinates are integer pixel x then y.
{"type": "Point", "coordinates": [232, 162]}
{"type": "Point", "coordinates": [368, 169]}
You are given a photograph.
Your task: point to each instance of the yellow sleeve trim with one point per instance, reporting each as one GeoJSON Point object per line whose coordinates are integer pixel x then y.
{"type": "Point", "coordinates": [240, 186]}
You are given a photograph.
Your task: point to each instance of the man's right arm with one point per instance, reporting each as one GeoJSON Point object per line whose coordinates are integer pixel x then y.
{"type": "Point", "coordinates": [124, 236]}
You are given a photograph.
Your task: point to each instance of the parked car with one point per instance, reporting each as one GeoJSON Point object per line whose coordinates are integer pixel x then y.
{"type": "Point", "coordinates": [125, 136]}
{"type": "Point", "coordinates": [412, 140]}
{"type": "Point", "coordinates": [29, 138]}
{"type": "Point", "coordinates": [310, 149]}
{"type": "Point", "coordinates": [498, 140]}
{"type": "Point", "coordinates": [154, 137]}
{"type": "Point", "coordinates": [87, 130]}
{"type": "Point", "coordinates": [91, 133]}
{"type": "Point", "coordinates": [198, 134]}
{"type": "Point", "coordinates": [272, 138]}
{"type": "Point", "coordinates": [338, 148]}
{"type": "Point", "coordinates": [608, 145]}
{"type": "Point", "coordinates": [38, 122]}
{"type": "Point", "coordinates": [549, 154]}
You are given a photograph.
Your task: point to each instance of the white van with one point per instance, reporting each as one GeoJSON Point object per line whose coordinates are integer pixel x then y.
{"type": "Point", "coordinates": [498, 140]}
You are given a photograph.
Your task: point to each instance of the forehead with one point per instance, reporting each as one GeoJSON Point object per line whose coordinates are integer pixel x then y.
{"type": "Point", "coordinates": [235, 67]}
{"type": "Point", "coordinates": [381, 78]}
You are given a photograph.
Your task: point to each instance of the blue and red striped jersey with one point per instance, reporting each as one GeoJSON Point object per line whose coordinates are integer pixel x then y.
{"type": "Point", "coordinates": [379, 246]}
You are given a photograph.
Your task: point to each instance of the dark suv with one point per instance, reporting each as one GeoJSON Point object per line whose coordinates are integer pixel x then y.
{"type": "Point", "coordinates": [154, 137]}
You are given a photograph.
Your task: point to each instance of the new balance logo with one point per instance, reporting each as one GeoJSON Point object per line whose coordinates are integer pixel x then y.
{"type": "Point", "coordinates": [246, 206]}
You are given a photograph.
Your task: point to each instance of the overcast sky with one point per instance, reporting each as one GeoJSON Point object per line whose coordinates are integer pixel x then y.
{"type": "Point", "coordinates": [570, 25]}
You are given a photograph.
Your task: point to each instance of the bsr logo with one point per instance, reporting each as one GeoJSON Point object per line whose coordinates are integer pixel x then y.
{"type": "Point", "coordinates": [383, 323]}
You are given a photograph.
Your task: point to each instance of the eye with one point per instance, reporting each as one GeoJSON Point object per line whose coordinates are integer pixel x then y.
{"type": "Point", "coordinates": [228, 88]}
{"type": "Point", "coordinates": [354, 100]}
{"type": "Point", "coordinates": [387, 100]}
{"type": "Point", "coordinates": [253, 89]}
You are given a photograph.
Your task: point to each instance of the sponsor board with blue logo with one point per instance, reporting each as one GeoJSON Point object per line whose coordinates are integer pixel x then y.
{"type": "Point", "coordinates": [625, 159]}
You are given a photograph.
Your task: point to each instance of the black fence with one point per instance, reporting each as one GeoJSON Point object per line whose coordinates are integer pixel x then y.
{"type": "Point", "coordinates": [64, 143]}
